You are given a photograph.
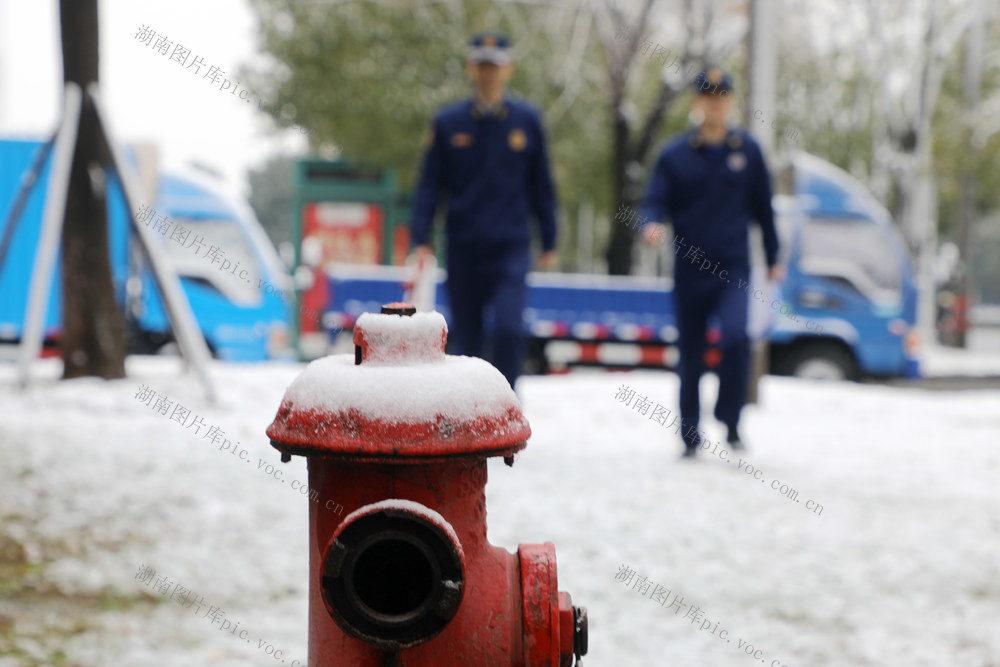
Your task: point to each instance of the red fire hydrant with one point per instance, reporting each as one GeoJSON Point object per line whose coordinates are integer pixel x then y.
{"type": "Point", "coordinates": [399, 436]}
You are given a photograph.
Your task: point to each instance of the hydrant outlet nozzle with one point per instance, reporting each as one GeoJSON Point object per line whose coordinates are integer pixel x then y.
{"type": "Point", "coordinates": [393, 575]}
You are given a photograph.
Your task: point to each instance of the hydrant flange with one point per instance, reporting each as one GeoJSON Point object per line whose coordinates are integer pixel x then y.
{"type": "Point", "coordinates": [405, 402]}
{"type": "Point", "coordinates": [393, 574]}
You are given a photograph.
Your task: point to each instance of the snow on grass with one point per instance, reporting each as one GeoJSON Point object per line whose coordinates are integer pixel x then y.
{"type": "Point", "coordinates": [901, 560]}
{"type": "Point", "coordinates": [899, 567]}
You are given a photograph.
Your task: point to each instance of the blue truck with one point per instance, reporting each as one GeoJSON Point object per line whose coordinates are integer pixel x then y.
{"type": "Point", "coordinates": [846, 310]}
{"type": "Point", "coordinates": [849, 271]}
{"type": "Point", "coordinates": [241, 313]}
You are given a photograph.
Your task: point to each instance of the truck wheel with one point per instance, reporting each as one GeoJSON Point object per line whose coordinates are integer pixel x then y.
{"type": "Point", "coordinates": [820, 361]}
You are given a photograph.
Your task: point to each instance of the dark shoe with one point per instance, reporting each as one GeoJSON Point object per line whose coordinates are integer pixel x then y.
{"type": "Point", "coordinates": [733, 438]}
{"type": "Point", "coordinates": [691, 445]}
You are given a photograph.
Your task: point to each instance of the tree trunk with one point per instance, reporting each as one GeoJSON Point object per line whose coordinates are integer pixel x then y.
{"type": "Point", "coordinates": [619, 252]}
{"type": "Point", "coordinates": [93, 341]}
{"type": "Point", "coordinates": [628, 177]}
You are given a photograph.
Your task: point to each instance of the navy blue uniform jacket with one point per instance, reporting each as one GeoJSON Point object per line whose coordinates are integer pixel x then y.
{"type": "Point", "coordinates": [710, 196]}
{"type": "Point", "coordinates": [495, 173]}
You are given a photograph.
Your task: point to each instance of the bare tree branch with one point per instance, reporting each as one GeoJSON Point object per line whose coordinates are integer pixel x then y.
{"type": "Point", "coordinates": [572, 63]}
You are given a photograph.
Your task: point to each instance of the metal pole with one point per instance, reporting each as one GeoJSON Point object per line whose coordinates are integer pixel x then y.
{"type": "Point", "coordinates": [761, 97]}
{"type": "Point", "coordinates": [28, 181]}
{"type": "Point", "coordinates": [761, 78]}
{"type": "Point", "coordinates": [189, 338]}
{"type": "Point", "coordinates": [971, 84]}
{"type": "Point", "coordinates": [51, 233]}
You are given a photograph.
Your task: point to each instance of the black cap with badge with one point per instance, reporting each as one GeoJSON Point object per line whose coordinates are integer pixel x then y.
{"type": "Point", "coordinates": [713, 81]}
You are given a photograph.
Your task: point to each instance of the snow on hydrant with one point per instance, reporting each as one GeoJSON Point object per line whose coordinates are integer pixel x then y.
{"type": "Point", "coordinates": [399, 435]}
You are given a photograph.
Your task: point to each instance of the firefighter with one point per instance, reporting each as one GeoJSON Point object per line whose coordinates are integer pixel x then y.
{"type": "Point", "coordinates": [710, 183]}
{"type": "Point", "coordinates": [486, 158]}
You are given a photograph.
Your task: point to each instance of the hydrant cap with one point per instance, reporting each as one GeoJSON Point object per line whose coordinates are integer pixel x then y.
{"type": "Point", "coordinates": [400, 398]}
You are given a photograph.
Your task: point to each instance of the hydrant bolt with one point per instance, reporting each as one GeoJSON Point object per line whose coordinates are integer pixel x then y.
{"type": "Point", "coordinates": [398, 308]}
{"type": "Point", "coordinates": [580, 631]}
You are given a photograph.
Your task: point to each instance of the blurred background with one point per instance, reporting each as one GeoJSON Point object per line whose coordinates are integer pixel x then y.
{"type": "Point", "coordinates": [293, 110]}
{"type": "Point", "coordinates": [287, 135]}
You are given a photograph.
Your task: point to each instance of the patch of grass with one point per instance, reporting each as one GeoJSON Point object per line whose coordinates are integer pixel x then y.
{"type": "Point", "coordinates": [37, 619]}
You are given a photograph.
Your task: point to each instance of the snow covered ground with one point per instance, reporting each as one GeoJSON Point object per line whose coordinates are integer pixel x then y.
{"type": "Point", "coordinates": [900, 566]}
{"type": "Point", "coordinates": [940, 361]}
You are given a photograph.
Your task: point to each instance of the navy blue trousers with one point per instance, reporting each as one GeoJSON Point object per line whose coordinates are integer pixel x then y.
{"type": "Point", "coordinates": [699, 296]}
{"type": "Point", "coordinates": [487, 294]}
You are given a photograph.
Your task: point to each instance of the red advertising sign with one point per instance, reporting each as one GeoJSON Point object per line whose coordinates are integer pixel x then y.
{"type": "Point", "coordinates": [350, 233]}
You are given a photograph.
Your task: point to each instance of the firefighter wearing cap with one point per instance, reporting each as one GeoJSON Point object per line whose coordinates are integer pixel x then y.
{"type": "Point", "coordinates": [710, 183]}
{"type": "Point", "coordinates": [486, 157]}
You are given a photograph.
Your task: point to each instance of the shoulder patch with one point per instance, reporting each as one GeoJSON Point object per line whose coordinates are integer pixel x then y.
{"type": "Point", "coordinates": [461, 139]}
{"type": "Point", "coordinates": [517, 140]}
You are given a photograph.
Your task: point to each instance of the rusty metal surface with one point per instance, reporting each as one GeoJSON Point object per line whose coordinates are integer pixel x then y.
{"type": "Point", "coordinates": [352, 435]}
{"type": "Point", "coordinates": [386, 342]}
{"type": "Point", "coordinates": [415, 495]}
{"type": "Point", "coordinates": [539, 604]}
{"type": "Point", "coordinates": [509, 612]}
